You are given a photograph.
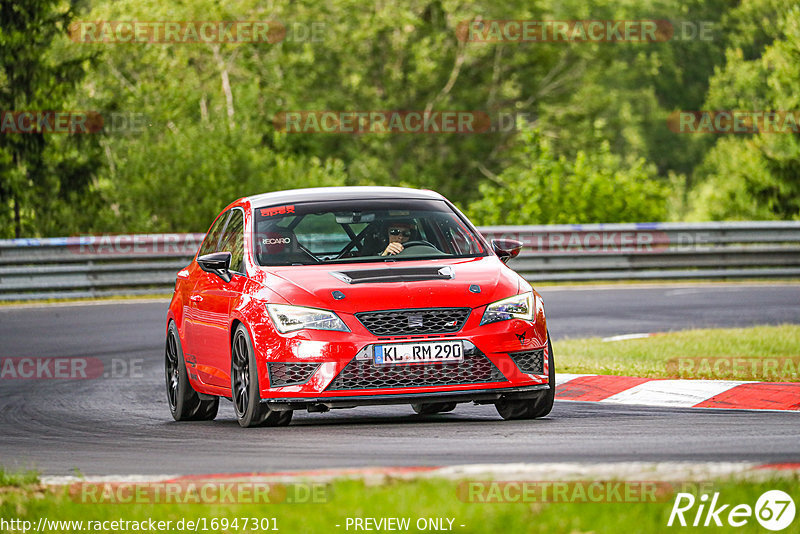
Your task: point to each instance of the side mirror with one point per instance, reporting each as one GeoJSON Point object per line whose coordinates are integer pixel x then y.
{"type": "Point", "coordinates": [506, 248]}
{"type": "Point", "coordinates": [218, 263]}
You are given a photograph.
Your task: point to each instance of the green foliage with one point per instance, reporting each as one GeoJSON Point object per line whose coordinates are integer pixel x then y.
{"type": "Point", "coordinates": [558, 503]}
{"type": "Point", "coordinates": [543, 188]}
{"type": "Point", "coordinates": [17, 479]}
{"type": "Point", "coordinates": [383, 57]}
{"type": "Point", "coordinates": [209, 135]}
{"type": "Point", "coordinates": [755, 177]}
{"type": "Point", "coordinates": [42, 176]}
{"type": "Point", "coordinates": [659, 356]}
{"type": "Point", "coordinates": [183, 180]}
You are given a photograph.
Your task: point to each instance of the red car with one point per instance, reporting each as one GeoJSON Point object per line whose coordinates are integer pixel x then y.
{"type": "Point", "coordinates": [340, 297]}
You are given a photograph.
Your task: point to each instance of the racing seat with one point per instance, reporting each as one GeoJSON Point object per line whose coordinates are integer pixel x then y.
{"type": "Point", "coordinates": [374, 240]}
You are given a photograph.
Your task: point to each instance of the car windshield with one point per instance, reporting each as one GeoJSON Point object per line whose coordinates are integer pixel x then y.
{"type": "Point", "coordinates": [361, 231]}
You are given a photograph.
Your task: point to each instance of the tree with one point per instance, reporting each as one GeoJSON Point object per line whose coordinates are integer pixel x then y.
{"type": "Point", "coordinates": [598, 186]}
{"type": "Point", "coordinates": [600, 108]}
{"type": "Point", "coordinates": [756, 176]}
{"type": "Point", "coordinates": [40, 173]}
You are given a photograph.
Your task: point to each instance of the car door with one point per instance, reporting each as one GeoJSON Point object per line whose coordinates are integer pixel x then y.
{"type": "Point", "coordinates": [211, 302]}
{"type": "Point", "coordinates": [199, 278]}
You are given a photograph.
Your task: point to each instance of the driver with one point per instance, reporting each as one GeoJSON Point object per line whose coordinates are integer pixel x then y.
{"type": "Point", "coordinates": [399, 232]}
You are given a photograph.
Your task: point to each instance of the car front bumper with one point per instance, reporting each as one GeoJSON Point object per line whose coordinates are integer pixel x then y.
{"type": "Point", "coordinates": [494, 351]}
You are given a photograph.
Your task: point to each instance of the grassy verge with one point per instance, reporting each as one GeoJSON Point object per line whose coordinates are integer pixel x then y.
{"type": "Point", "coordinates": [18, 480]}
{"type": "Point", "coordinates": [440, 500]}
{"type": "Point", "coordinates": [763, 353]}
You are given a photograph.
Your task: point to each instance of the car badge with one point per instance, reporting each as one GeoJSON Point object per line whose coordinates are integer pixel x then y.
{"type": "Point", "coordinates": [415, 320]}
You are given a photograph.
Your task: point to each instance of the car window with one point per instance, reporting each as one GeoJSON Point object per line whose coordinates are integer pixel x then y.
{"type": "Point", "coordinates": [359, 231]}
{"type": "Point", "coordinates": [212, 237]}
{"type": "Point", "coordinates": [233, 240]}
{"type": "Point", "coordinates": [321, 234]}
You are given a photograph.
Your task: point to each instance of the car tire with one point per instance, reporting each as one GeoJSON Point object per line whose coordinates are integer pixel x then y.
{"type": "Point", "coordinates": [245, 391]}
{"type": "Point", "coordinates": [430, 408]}
{"type": "Point", "coordinates": [537, 407]}
{"type": "Point", "coordinates": [185, 403]}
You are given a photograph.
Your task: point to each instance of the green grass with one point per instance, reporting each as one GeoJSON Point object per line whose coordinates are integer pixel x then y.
{"type": "Point", "coordinates": [18, 480]}
{"type": "Point", "coordinates": [763, 353]}
{"type": "Point", "coordinates": [412, 499]}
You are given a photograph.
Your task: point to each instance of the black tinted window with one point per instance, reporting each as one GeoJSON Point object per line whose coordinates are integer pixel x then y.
{"type": "Point", "coordinates": [233, 240]}
{"type": "Point", "coordinates": [212, 237]}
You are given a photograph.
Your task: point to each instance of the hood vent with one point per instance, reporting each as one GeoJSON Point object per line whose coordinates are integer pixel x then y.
{"type": "Point", "coordinates": [395, 274]}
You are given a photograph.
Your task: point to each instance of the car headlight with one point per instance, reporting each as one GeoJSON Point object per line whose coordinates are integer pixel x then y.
{"type": "Point", "coordinates": [288, 318]}
{"type": "Point", "coordinates": [518, 306]}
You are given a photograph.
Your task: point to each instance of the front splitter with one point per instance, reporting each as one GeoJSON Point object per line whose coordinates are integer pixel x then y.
{"type": "Point", "coordinates": [479, 396]}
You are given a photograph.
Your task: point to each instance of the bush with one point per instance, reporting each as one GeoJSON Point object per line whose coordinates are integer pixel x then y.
{"type": "Point", "coordinates": [596, 187]}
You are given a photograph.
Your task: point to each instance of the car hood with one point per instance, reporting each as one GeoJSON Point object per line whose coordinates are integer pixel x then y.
{"type": "Point", "coordinates": [396, 285]}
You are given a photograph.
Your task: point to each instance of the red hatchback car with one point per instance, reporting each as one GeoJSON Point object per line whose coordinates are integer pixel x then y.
{"type": "Point", "coordinates": [340, 297]}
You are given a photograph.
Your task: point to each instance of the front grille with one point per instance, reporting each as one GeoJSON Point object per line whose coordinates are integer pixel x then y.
{"type": "Point", "coordinates": [531, 362]}
{"type": "Point", "coordinates": [290, 374]}
{"type": "Point", "coordinates": [364, 374]}
{"type": "Point", "coordinates": [414, 322]}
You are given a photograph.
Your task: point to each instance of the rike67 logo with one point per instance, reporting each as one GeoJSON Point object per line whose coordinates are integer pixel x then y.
{"type": "Point", "coordinates": [774, 510]}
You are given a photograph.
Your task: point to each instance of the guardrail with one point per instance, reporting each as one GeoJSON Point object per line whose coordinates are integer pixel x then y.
{"type": "Point", "coordinates": [90, 266]}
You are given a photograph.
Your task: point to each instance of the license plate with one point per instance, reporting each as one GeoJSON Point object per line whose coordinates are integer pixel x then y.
{"type": "Point", "coordinates": [432, 352]}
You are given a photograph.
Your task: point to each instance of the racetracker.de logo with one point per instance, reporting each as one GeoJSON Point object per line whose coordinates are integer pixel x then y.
{"type": "Point", "coordinates": [200, 492]}
{"type": "Point", "coordinates": [588, 241]}
{"type": "Point", "coordinates": [36, 122]}
{"type": "Point", "coordinates": [564, 31]}
{"type": "Point", "coordinates": [734, 122]}
{"type": "Point", "coordinates": [43, 368]}
{"type": "Point", "coordinates": [737, 368]}
{"type": "Point", "coordinates": [177, 32]}
{"type": "Point", "coordinates": [137, 244]}
{"type": "Point", "coordinates": [71, 122]}
{"type": "Point", "coordinates": [69, 368]}
{"type": "Point", "coordinates": [382, 121]}
{"type": "Point", "coordinates": [573, 491]}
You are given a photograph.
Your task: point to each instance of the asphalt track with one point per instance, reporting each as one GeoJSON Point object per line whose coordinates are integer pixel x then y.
{"type": "Point", "coordinates": [122, 425]}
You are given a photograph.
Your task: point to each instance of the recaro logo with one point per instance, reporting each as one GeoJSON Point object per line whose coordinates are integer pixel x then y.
{"type": "Point", "coordinates": [774, 510]}
{"type": "Point", "coordinates": [276, 240]}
